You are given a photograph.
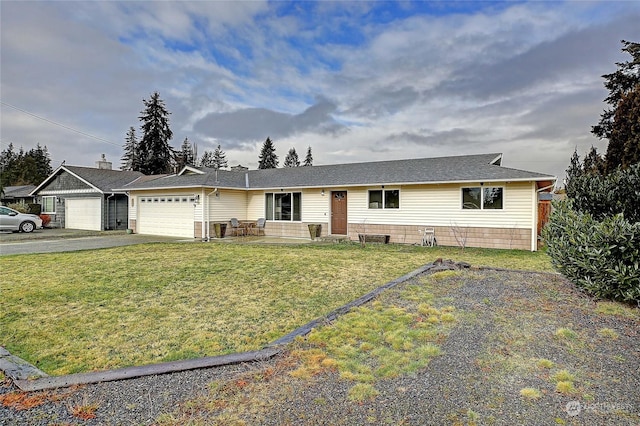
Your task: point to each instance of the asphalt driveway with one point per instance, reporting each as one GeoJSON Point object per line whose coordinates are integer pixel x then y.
{"type": "Point", "coordinates": [59, 240]}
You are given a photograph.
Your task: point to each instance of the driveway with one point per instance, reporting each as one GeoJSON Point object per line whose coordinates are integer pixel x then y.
{"type": "Point", "coordinates": [59, 240]}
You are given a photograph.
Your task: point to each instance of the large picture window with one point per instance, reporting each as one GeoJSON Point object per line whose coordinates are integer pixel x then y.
{"type": "Point", "coordinates": [49, 205]}
{"type": "Point", "coordinates": [384, 199]}
{"type": "Point", "coordinates": [482, 198]}
{"type": "Point", "coordinates": [286, 206]}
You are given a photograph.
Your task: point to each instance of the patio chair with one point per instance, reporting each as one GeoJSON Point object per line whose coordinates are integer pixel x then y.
{"type": "Point", "coordinates": [236, 228]}
{"type": "Point", "coordinates": [428, 237]}
{"type": "Point", "coordinates": [259, 228]}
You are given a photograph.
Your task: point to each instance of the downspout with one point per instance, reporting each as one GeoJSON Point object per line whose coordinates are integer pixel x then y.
{"type": "Point", "coordinates": [208, 233]}
{"type": "Point", "coordinates": [108, 224]}
{"type": "Point", "coordinates": [204, 200]}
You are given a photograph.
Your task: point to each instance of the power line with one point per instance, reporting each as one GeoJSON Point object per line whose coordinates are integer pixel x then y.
{"type": "Point", "coordinates": [59, 124]}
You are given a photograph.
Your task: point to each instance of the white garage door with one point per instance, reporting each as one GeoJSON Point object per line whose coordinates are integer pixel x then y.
{"type": "Point", "coordinates": [82, 213]}
{"type": "Point", "coordinates": [169, 215]}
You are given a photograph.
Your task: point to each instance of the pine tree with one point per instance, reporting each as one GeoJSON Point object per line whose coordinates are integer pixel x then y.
{"type": "Point", "coordinates": [620, 84]}
{"type": "Point", "coordinates": [292, 160]}
{"type": "Point", "coordinates": [129, 160]}
{"type": "Point", "coordinates": [207, 159]}
{"type": "Point", "coordinates": [186, 155]}
{"type": "Point", "coordinates": [308, 160]}
{"type": "Point", "coordinates": [268, 158]}
{"type": "Point", "coordinates": [42, 161]}
{"type": "Point", "coordinates": [219, 158]}
{"type": "Point", "coordinates": [155, 153]}
{"type": "Point", "coordinates": [626, 129]}
{"type": "Point", "coordinates": [593, 163]}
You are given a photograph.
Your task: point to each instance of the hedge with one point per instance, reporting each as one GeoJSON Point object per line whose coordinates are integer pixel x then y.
{"type": "Point", "coordinates": [601, 257]}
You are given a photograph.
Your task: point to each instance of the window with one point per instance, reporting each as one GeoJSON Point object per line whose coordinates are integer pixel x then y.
{"type": "Point", "coordinates": [49, 205]}
{"type": "Point", "coordinates": [387, 199]}
{"type": "Point", "coordinates": [286, 206]}
{"type": "Point", "coordinates": [482, 198]}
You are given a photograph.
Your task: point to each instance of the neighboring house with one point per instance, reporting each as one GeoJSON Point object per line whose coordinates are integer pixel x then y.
{"type": "Point", "coordinates": [17, 194]}
{"type": "Point", "coordinates": [469, 197]}
{"type": "Point", "coordinates": [84, 197]}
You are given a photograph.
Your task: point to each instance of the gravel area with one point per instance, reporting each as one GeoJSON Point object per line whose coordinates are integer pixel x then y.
{"type": "Point", "coordinates": [505, 322]}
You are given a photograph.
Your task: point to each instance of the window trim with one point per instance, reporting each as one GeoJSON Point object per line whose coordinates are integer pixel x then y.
{"type": "Point", "coordinates": [383, 202]}
{"type": "Point", "coordinates": [271, 215]}
{"type": "Point", "coordinates": [54, 204]}
{"type": "Point", "coordinates": [482, 189]}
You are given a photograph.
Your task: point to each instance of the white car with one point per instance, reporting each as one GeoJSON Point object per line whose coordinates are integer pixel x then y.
{"type": "Point", "coordinates": [12, 220]}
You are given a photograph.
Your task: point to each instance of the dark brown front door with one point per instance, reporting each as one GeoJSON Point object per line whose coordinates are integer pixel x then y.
{"type": "Point", "coordinates": [339, 212]}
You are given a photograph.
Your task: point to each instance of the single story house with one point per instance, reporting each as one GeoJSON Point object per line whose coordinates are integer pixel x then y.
{"type": "Point", "coordinates": [84, 197]}
{"type": "Point", "coordinates": [470, 197]}
{"type": "Point", "coordinates": [20, 194]}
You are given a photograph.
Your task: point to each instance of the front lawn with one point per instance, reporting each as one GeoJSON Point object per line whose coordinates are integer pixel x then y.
{"type": "Point", "coordinates": [99, 309]}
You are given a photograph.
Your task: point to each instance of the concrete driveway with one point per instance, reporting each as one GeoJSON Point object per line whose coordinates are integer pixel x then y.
{"type": "Point", "coordinates": [59, 240]}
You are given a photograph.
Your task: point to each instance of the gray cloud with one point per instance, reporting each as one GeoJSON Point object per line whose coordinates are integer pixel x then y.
{"type": "Point", "coordinates": [255, 124]}
{"type": "Point", "coordinates": [585, 53]}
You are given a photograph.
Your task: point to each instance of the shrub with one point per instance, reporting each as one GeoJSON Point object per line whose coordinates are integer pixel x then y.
{"type": "Point", "coordinates": [46, 219]}
{"type": "Point", "coordinates": [608, 195]}
{"type": "Point", "coordinates": [602, 258]}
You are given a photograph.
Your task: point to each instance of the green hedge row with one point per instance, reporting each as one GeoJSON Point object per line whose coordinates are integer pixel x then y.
{"type": "Point", "coordinates": [601, 257]}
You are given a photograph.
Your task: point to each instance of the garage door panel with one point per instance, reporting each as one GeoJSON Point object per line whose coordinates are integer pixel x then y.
{"type": "Point", "coordinates": [173, 218]}
{"type": "Point", "coordinates": [83, 213]}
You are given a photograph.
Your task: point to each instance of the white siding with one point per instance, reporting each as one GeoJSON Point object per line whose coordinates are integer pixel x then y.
{"type": "Point", "coordinates": [227, 205]}
{"type": "Point", "coordinates": [440, 205]}
{"type": "Point", "coordinates": [315, 206]}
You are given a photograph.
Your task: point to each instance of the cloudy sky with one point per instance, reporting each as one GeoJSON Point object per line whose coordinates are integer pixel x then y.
{"type": "Point", "coordinates": [356, 81]}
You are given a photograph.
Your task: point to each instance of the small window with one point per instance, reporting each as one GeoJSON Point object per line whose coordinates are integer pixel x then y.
{"type": "Point", "coordinates": [284, 206]}
{"type": "Point", "coordinates": [184, 199]}
{"type": "Point", "coordinates": [482, 198]}
{"type": "Point", "coordinates": [155, 200]}
{"type": "Point", "coordinates": [169, 200]}
{"type": "Point", "coordinates": [192, 199]}
{"type": "Point", "coordinates": [392, 199]}
{"type": "Point", "coordinates": [142, 200]}
{"type": "Point", "coordinates": [492, 198]}
{"type": "Point", "coordinates": [384, 199]}
{"type": "Point", "coordinates": [375, 199]}
{"type": "Point", "coordinates": [177, 199]}
{"type": "Point", "coordinates": [162, 200]}
{"type": "Point", "coordinates": [49, 205]}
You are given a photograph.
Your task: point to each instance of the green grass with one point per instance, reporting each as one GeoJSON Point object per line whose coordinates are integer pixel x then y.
{"type": "Point", "coordinates": [98, 309]}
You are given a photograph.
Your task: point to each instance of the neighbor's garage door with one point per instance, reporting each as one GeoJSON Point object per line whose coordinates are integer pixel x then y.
{"type": "Point", "coordinates": [83, 213]}
{"type": "Point", "coordinates": [166, 215]}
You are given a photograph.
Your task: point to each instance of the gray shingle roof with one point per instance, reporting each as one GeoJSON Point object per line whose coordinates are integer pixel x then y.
{"type": "Point", "coordinates": [466, 168]}
{"type": "Point", "coordinates": [104, 179]}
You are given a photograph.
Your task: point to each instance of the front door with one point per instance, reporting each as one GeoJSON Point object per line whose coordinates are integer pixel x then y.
{"type": "Point", "coordinates": [339, 212]}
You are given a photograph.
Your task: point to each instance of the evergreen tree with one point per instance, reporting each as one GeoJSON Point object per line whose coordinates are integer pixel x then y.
{"type": "Point", "coordinates": [573, 173]}
{"type": "Point", "coordinates": [130, 157]}
{"type": "Point", "coordinates": [186, 155]}
{"type": "Point", "coordinates": [593, 163]}
{"type": "Point", "coordinates": [207, 159]}
{"type": "Point", "coordinates": [42, 162]}
{"type": "Point", "coordinates": [620, 84]}
{"type": "Point", "coordinates": [292, 160]}
{"type": "Point", "coordinates": [155, 153]}
{"type": "Point", "coordinates": [21, 168]}
{"type": "Point", "coordinates": [219, 158]}
{"type": "Point", "coordinates": [625, 134]}
{"type": "Point", "coordinates": [308, 160]}
{"type": "Point", "coordinates": [268, 158]}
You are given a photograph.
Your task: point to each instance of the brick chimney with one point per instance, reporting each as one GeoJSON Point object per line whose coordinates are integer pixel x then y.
{"type": "Point", "coordinates": [103, 164]}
